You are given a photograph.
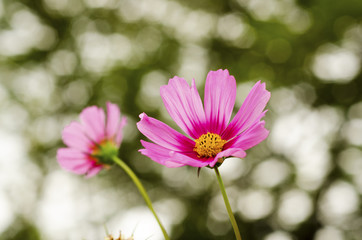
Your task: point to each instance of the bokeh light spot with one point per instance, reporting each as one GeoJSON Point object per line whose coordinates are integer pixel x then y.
{"type": "Point", "coordinates": [335, 64]}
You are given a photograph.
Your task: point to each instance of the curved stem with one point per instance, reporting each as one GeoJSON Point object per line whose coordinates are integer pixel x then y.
{"type": "Point", "coordinates": [142, 190]}
{"type": "Point", "coordinates": [227, 204]}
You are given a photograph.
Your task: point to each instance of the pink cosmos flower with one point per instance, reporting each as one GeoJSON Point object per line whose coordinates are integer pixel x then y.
{"type": "Point", "coordinates": [93, 142]}
{"type": "Point", "coordinates": [211, 137]}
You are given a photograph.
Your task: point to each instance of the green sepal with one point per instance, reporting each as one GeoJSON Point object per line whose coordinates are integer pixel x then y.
{"type": "Point", "coordinates": [107, 151]}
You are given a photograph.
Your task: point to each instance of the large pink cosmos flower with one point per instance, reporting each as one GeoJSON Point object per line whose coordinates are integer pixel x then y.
{"type": "Point", "coordinates": [93, 142]}
{"type": "Point", "coordinates": [213, 138]}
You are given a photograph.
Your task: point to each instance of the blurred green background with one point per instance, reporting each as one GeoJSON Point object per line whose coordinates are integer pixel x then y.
{"type": "Point", "coordinates": [58, 56]}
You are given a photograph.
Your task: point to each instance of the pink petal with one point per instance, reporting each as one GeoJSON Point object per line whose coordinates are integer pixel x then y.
{"type": "Point", "coordinates": [94, 170]}
{"type": "Point", "coordinates": [190, 161]}
{"type": "Point", "coordinates": [164, 135]}
{"type": "Point", "coordinates": [158, 154]}
{"type": "Point", "coordinates": [230, 152]}
{"type": "Point", "coordinates": [251, 137]}
{"type": "Point", "coordinates": [119, 135]}
{"type": "Point", "coordinates": [113, 119]}
{"type": "Point", "coordinates": [73, 160]}
{"type": "Point", "coordinates": [74, 137]}
{"type": "Point", "coordinates": [219, 99]}
{"type": "Point", "coordinates": [170, 158]}
{"type": "Point", "coordinates": [184, 106]}
{"type": "Point", "coordinates": [93, 120]}
{"type": "Point", "coordinates": [249, 112]}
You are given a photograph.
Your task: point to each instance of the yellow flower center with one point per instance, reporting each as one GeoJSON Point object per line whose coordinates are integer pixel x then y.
{"type": "Point", "coordinates": [208, 145]}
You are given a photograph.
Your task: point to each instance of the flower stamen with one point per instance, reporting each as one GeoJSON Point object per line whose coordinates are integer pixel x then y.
{"type": "Point", "coordinates": [208, 145]}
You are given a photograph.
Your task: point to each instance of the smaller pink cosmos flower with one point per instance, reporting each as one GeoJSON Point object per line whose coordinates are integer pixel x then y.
{"type": "Point", "coordinates": [93, 141]}
{"type": "Point", "coordinates": [211, 137]}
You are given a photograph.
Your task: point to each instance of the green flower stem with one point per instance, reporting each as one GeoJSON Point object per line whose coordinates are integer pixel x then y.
{"type": "Point", "coordinates": [227, 204]}
{"type": "Point", "coordinates": [142, 190]}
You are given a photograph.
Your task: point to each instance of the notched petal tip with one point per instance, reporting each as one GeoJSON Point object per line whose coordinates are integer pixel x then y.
{"type": "Point", "coordinates": [142, 115]}
{"type": "Point", "coordinates": [219, 99]}
{"type": "Point", "coordinates": [184, 105]}
{"type": "Point", "coordinates": [193, 83]}
{"type": "Point", "coordinates": [251, 110]}
{"type": "Point", "coordinates": [175, 79]}
{"type": "Point", "coordinates": [112, 120]}
{"type": "Point", "coordinates": [220, 71]}
{"type": "Point", "coordinates": [262, 123]}
{"type": "Point", "coordinates": [112, 109]}
{"type": "Point", "coordinates": [93, 120]}
{"type": "Point", "coordinates": [261, 84]}
{"type": "Point", "coordinates": [262, 87]}
{"type": "Point", "coordinates": [110, 104]}
{"type": "Point", "coordinates": [89, 111]}
{"type": "Point", "coordinates": [172, 83]}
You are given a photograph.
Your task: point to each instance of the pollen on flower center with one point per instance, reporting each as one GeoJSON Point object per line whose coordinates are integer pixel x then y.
{"type": "Point", "coordinates": [208, 145]}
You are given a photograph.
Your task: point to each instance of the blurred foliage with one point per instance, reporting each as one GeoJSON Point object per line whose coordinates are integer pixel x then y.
{"type": "Point", "coordinates": [59, 56]}
{"type": "Point", "coordinates": [21, 229]}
